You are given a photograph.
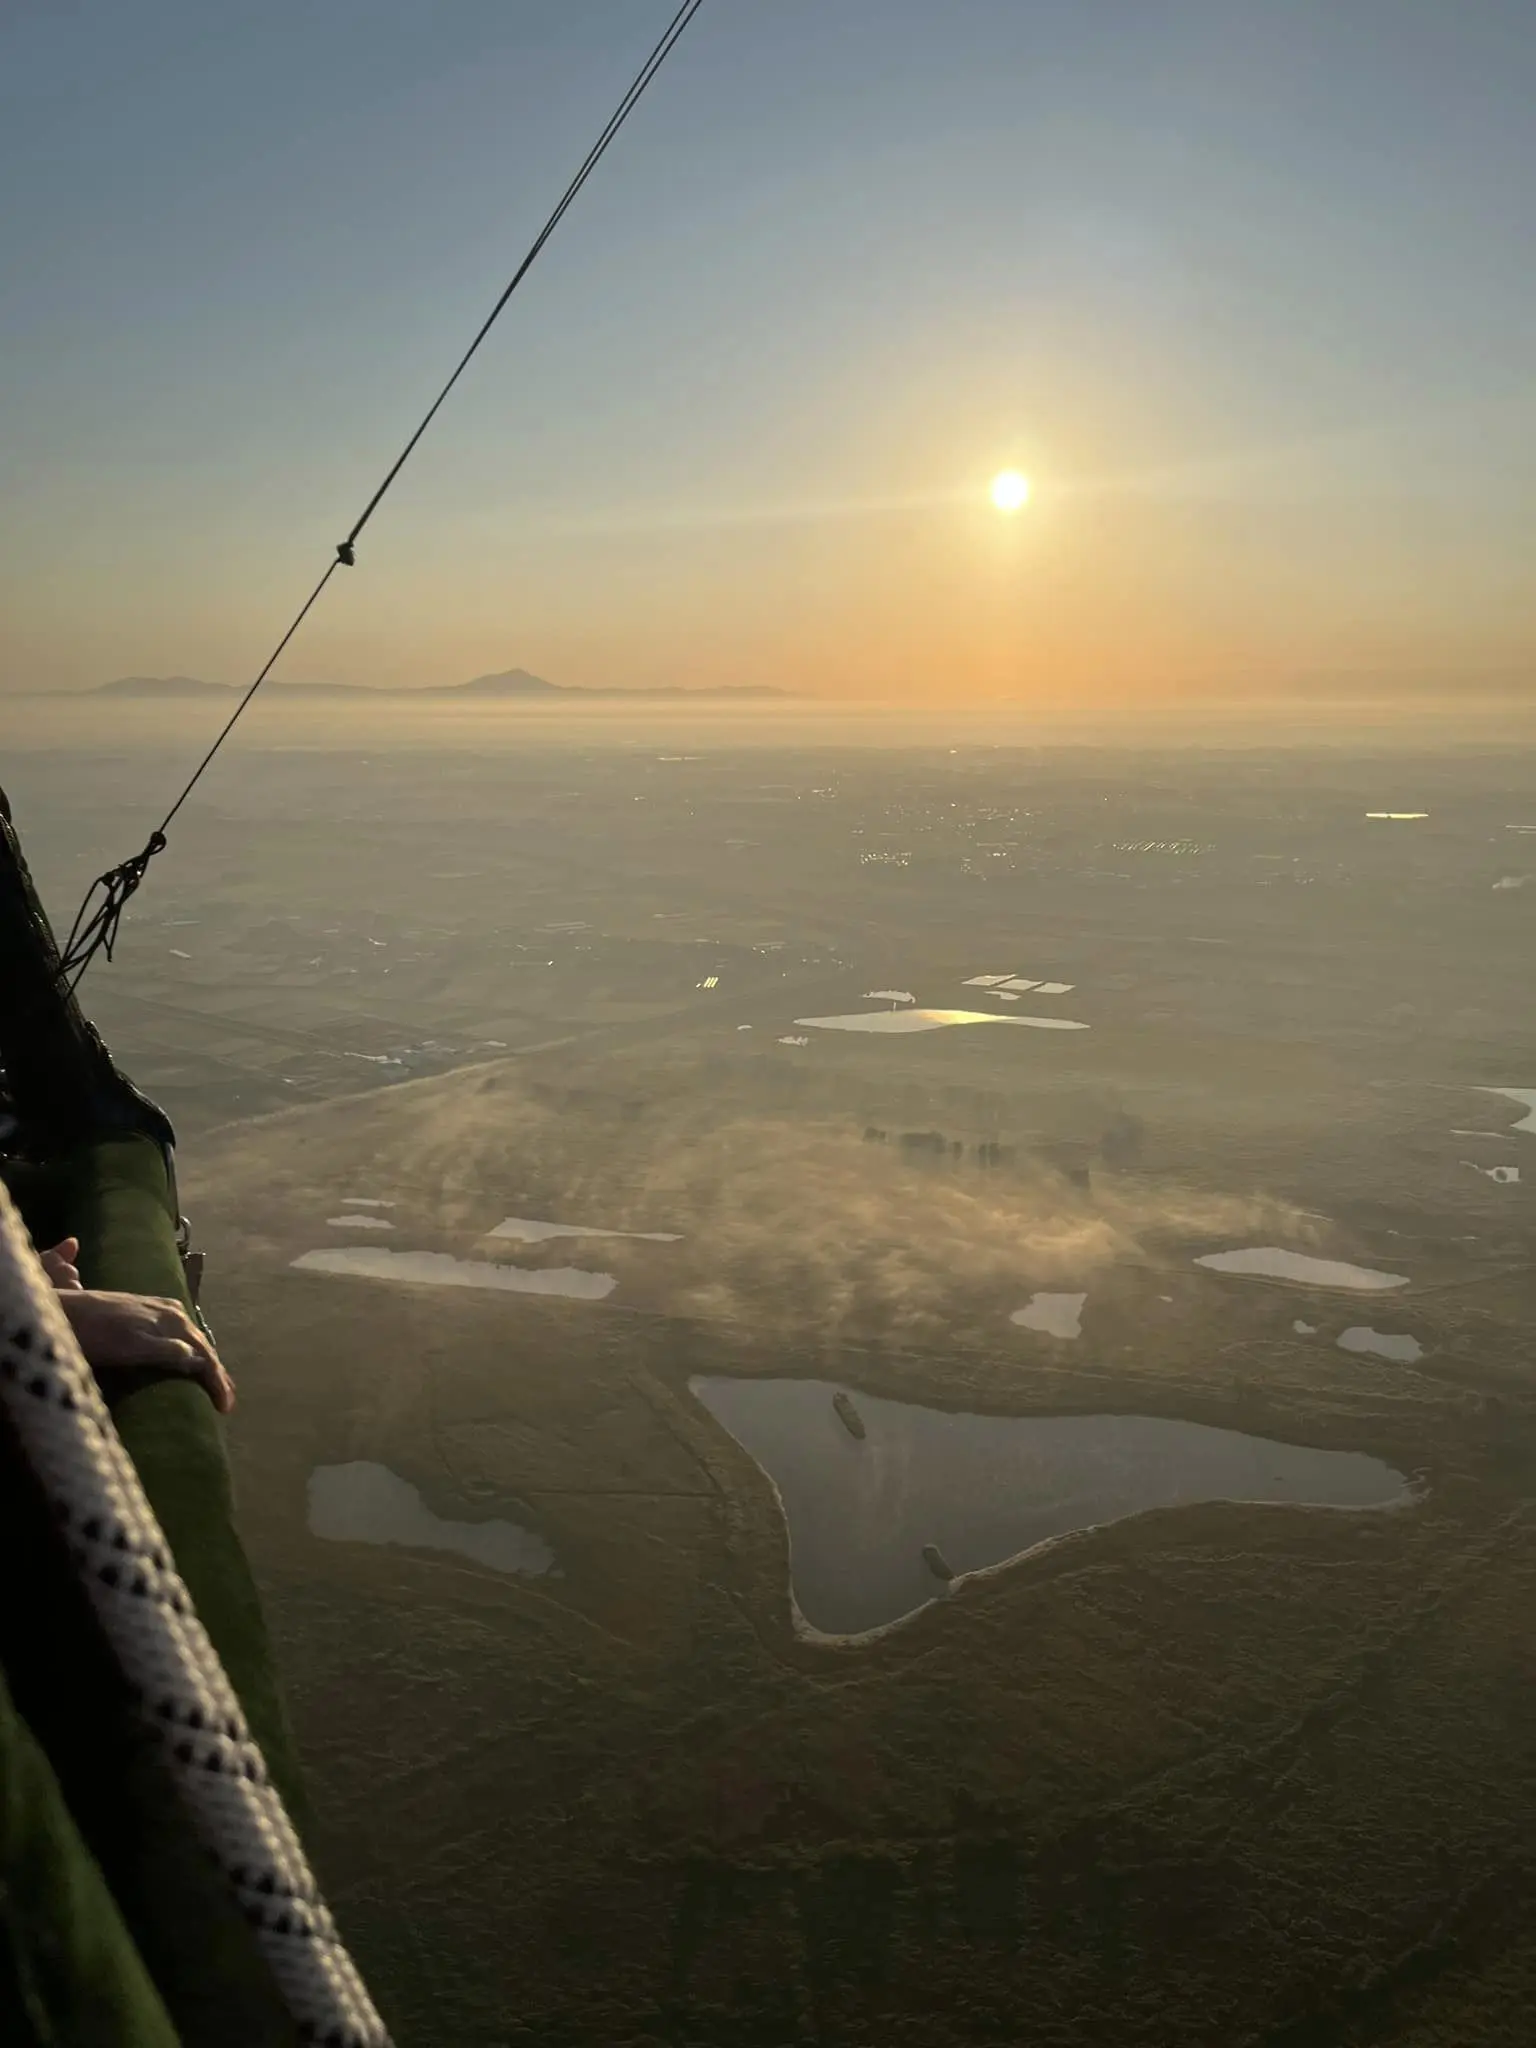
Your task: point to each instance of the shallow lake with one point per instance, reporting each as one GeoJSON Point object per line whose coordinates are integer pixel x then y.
{"type": "Point", "coordinates": [1525, 1095]}
{"type": "Point", "coordinates": [362, 1502]}
{"type": "Point", "coordinates": [527, 1230]}
{"type": "Point", "coordinates": [978, 1490]}
{"type": "Point", "coordinates": [1273, 1262]}
{"type": "Point", "coordinates": [1054, 1315]}
{"type": "Point", "coordinates": [442, 1269]}
{"type": "Point", "coordinates": [1401, 1349]}
{"type": "Point", "coordinates": [933, 1020]}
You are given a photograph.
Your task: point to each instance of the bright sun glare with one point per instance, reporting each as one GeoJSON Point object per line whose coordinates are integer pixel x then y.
{"type": "Point", "coordinates": [1010, 491]}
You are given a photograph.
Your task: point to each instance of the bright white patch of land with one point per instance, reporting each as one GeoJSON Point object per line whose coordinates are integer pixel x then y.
{"type": "Point", "coordinates": [359, 1223]}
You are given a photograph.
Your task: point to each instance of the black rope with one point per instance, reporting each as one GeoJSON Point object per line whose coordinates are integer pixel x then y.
{"type": "Point", "coordinates": [100, 915]}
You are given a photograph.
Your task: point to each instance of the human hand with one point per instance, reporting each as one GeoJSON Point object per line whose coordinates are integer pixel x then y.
{"type": "Point", "coordinates": [118, 1331]}
{"type": "Point", "coordinates": [59, 1264]}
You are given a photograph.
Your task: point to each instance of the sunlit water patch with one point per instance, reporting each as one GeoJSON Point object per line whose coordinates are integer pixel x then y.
{"type": "Point", "coordinates": [1401, 1350]}
{"type": "Point", "coordinates": [359, 1222]}
{"type": "Point", "coordinates": [367, 1503]}
{"type": "Point", "coordinates": [1271, 1262]}
{"type": "Point", "coordinates": [932, 1020]}
{"type": "Point", "coordinates": [527, 1230]}
{"type": "Point", "coordinates": [1525, 1095]}
{"type": "Point", "coordinates": [980, 1490]}
{"type": "Point", "coordinates": [442, 1269]}
{"type": "Point", "coordinates": [1054, 1315]}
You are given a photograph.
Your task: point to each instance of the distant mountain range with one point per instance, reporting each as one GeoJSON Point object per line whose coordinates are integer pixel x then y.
{"type": "Point", "coordinates": [511, 683]}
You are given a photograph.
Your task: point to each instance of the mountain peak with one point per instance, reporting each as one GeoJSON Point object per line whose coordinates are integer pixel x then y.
{"type": "Point", "coordinates": [506, 683]}
{"type": "Point", "coordinates": [510, 682]}
{"type": "Point", "coordinates": [162, 686]}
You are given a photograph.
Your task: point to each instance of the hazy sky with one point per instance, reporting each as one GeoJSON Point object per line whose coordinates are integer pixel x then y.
{"type": "Point", "coordinates": [1246, 286]}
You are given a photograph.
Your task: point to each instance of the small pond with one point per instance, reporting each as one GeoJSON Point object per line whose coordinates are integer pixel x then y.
{"type": "Point", "coordinates": [933, 1020]}
{"type": "Point", "coordinates": [362, 1502]}
{"type": "Point", "coordinates": [1402, 1350]}
{"type": "Point", "coordinates": [442, 1269]}
{"type": "Point", "coordinates": [879, 1523]}
{"type": "Point", "coordinates": [1527, 1096]}
{"type": "Point", "coordinates": [1273, 1262]}
{"type": "Point", "coordinates": [529, 1230]}
{"type": "Point", "coordinates": [1054, 1315]}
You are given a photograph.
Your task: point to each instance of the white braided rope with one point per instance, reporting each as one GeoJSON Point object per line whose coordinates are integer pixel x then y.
{"type": "Point", "coordinates": [172, 1669]}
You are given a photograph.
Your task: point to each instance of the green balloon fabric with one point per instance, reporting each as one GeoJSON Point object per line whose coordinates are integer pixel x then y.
{"type": "Point", "coordinates": [139, 1940]}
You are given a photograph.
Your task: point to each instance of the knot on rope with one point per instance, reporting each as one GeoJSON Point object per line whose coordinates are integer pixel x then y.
{"type": "Point", "coordinates": [96, 924]}
{"type": "Point", "coordinates": [346, 554]}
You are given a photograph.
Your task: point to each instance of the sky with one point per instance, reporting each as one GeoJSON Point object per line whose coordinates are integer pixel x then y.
{"type": "Point", "coordinates": [1244, 288]}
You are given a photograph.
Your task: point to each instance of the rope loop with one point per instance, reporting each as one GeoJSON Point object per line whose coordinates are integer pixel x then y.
{"type": "Point", "coordinates": [96, 923]}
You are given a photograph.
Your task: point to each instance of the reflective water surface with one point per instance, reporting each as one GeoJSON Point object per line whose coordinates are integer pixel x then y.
{"type": "Point", "coordinates": [1525, 1095]}
{"type": "Point", "coordinates": [1273, 1262]}
{"type": "Point", "coordinates": [1054, 1315]}
{"type": "Point", "coordinates": [528, 1230]}
{"type": "Point", "coordinates": [442, 1269]}
{"type": "Point", "coordinates": [933, 1020]}
{"type": "Point", "coordinates": [977, 1490]}
{"type": "Point", "coordinates": [1401, 1349]}
{"type": "Point", "coordinates": [362, 1502]}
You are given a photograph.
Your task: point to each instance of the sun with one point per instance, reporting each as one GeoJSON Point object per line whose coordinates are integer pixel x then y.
{"type": "Point", "coordinates": [1010, 491]}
